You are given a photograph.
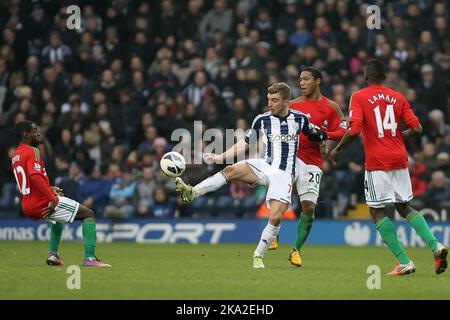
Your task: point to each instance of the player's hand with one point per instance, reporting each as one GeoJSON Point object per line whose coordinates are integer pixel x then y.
{"type": "Point", "coordinates": [50, 208]}
{"type": "Point", "coordinates": [57, 191]}
{"type": "Point", "coordinates": [317, 134]}
{"type": "Point", "coordinates": [333, 156]}
{"type": "Point", "coordinates": [211, 158]}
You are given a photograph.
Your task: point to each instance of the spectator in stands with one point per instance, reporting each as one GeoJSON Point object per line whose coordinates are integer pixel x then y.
{"type": "Point", "coordinates": [164, 79]}
{"type": "Point", "coordinates": [162, 206]}
{"type": "Point", "coordinates": [190, 20]}
{"type": "Point", "coordinates": [264, 25]}
{"type": "Point", "coordinates": [219, 18]}
{"type": "Point", "coordinates": [301, 38]}
{"type": "Point", "coordinates": [38, 27]}
{"type": "Point", "coordinates": [426, 46]}
{"type": "Point", "coordinates": [444, 146]}
{"type": "Point", "coordinates": [94, 191]}
{"type": "Point", "coordinates": [151, 133]}
{"type": "Point", "coordinates": [121, 197]}
{"type": "Point", "coordinates": [139, 91]}
{"type": "Point", "coordinates": [144, 191]}
{"type": "Point", "coordinates": [437, 126]}
{"type": "Point", "coordinates": [431, 91]}
{"type": "Point", "coordinates": [127, 115]}
{"type": "Point", "coordinates": [196, 91]}
{"type": "Point", "coordinates": [443, 163]}
{"type": "Point", "coordinates": [160, 147]}
{"type": "Point", "coordinates": [163, 121]}
{"type": "Point", "coordinates": [71, 183]}
{"type": "Point", "coordinates": [56, 51]}
{"type": "Point", "coordinates": [283, 48]}
{"type": "Point", "coordinates": [428, 156]}
{"type": "Point", "coordinates": [438, 190]}
{"type": "Point", "coordinates": [287, 19]}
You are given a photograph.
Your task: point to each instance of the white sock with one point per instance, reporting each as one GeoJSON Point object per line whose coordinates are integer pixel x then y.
{"type": "Point", "coordinates": [212, 183]}
{"type": "Point", "coordinates": [269, 233]}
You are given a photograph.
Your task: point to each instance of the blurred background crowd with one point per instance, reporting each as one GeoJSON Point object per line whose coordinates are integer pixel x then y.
{"type": "Point", "coordinates": [108, 96]}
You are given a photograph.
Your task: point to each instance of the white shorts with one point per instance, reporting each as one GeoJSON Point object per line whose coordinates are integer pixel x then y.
{"type": "Point", "coordinates": [383, 187]}
{"type": "Point", "coordinates": [279, 182]}
{"type": "Point", "coordinates": [307, 179]}
{"type": "Point", "coordinates": [65, 211]}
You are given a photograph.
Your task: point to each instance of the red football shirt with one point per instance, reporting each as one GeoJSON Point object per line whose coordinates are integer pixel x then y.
{"type": "Point", "coordinates": [32, 180]}
{"type": "Point", "coordinates": [377, 112]}
{"type": "Point", "coordinates": [325, 114]}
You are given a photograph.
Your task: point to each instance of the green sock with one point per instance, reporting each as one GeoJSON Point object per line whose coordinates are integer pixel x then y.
{"type": "Point", "coordinates": [303, 228]}
{"type": "Point", "coordinates": [55, 236]}
{"type": "Point", "coordinates": [388, 234]}
{"type": "Point", "coordinates": [419, 224]}
{"type": "Point", "coordinates": [90, 237]}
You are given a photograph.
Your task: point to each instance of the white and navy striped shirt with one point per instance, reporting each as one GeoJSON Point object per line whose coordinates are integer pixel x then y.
{"type": "Point", "coordinates": [280, 136]}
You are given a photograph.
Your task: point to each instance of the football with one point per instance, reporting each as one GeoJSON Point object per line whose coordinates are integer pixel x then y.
{"type": "Point", "coordinates": [173, 164]}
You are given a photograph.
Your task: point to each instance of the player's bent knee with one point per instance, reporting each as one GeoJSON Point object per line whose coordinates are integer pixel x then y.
{"type": "Point", "coordinates": [309, 208]}
{"type": "Point", "coordinates": [230, 172]}
{"type": "Point", "coordinates": [377, 214]}
{"type": "Point", "coordinates": [275, 219]}
{"type": "Point", "coordinates": [86, 215]}
{"type": "Point", "coordinates": [228, 169]}
{"type": "Point", "coordinates": [91, 213]}
{"type": "Point", "coordinates": [402, 209]}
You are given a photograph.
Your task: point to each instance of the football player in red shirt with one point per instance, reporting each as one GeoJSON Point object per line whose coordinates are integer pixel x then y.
{"type": "Point", "coordinates": [327, 115]}
{"type": "Point", "coordinates": [41, 201]}
{"type": "Point", "coordinates": [377, 112]}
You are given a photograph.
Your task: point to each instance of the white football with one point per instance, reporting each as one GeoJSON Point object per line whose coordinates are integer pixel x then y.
{"type": "Point", "coordinates": [173, 164]}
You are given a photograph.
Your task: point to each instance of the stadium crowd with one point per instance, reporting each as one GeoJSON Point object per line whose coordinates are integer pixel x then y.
{"type": "Point", "coordinates": [108, 96]}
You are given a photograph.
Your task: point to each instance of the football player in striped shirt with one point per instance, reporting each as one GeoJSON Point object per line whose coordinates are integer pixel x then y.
{"type": "Point", "coordinates": [279, 129]}
{"type": "Point", "coordinates": [327, 115]}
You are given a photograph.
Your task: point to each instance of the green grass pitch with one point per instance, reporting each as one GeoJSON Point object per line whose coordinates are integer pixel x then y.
{"type": "Point", "coordinates": [186, 271]}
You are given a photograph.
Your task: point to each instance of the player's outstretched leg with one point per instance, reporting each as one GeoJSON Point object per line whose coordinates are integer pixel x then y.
{"type": "Point", "coordinates": [53, 258]}
{"type": "Point", "coordinates": [389, 236]}
{"type": "Point", "coordinates": [210, 184]}
{"type": "Point", "coordinates": [239, 171]}
{"type": "Point", "coordinates": [90, 237]}
{"type": "Point", "coordinates": [419, 224]}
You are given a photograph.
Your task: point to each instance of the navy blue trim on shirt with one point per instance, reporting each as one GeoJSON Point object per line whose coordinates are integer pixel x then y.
{"type": "Point", "coordinates": [268, 127]}
{"type": "Point", "coordinates": [284, 129]}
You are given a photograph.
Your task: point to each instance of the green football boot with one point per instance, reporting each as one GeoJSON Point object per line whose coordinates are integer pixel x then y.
{"type": "Point", "coordinates": [187, 192]}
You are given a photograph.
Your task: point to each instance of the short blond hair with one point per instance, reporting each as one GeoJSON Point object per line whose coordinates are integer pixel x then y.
{"type": "Point", "coordinates": [282, 88]}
